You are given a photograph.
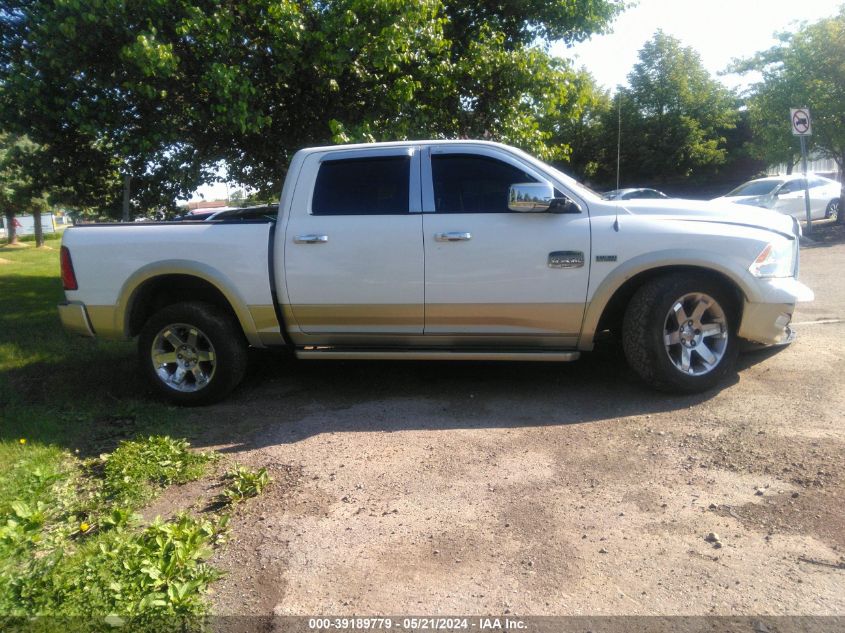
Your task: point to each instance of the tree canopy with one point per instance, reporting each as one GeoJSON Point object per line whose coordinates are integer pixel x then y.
{"type": "Point", "coordinates": [805, 69]}
{"type": "Point", "coordinates": [20, 192]}
{"type": "Point", "coordinates": [165, 89]}
{"type": "Point", "coordinates": [674, 115]}
{"type": "Point", "coordinates": [676, 123]}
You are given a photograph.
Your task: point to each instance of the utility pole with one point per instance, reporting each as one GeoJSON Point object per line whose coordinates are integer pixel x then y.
{"type": "Point", "coordinates": [806, 184]}
{"type": "Point", "coordinates": [618, 134]}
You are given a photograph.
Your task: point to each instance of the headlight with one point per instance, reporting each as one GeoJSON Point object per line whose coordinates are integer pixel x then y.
{"type": "Point", "coordinates": [775, 260]}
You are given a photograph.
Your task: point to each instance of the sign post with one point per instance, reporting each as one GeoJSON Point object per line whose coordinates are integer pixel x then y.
{"type": "Point", "coordinates": [802, 127]}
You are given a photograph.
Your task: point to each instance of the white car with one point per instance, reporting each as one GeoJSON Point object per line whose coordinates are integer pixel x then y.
{"type": "Point", "coordinates": [786, 194]}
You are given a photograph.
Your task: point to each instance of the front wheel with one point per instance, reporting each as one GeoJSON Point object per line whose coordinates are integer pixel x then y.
{"type": "Point", "coordinates": [679, 333]}
{"type": "Point", "coordinates": [832, 209]}
{"type": "Point", "coordinates": [193, 353]}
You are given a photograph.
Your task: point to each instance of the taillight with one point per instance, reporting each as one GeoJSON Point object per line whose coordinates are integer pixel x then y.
{"type": "Point", "coordinates": [68, 276]}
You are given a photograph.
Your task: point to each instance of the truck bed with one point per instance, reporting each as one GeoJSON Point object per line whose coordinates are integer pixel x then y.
{"type": "Point", "coordinates": [111, 259]}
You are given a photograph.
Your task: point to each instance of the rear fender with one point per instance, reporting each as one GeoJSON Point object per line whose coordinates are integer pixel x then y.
{"type": "Point", "coordinates": [213, 276]}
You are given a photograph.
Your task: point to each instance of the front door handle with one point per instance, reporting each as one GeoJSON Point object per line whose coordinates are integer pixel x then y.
{"type": "Point", "coordinates": [311, 239]}
{"type": "Point", "coordinates": [453, 236]}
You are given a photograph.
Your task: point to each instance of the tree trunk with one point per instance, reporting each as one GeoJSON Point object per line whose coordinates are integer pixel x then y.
{"type": "Point", "coordinates": [39, 230]}
{"type": "Point", "coordinates": [11, 230]}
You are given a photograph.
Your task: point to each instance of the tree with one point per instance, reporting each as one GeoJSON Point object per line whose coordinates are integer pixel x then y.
{"type": "Point", "coordinates": [166, 90]}
{"type": "Point", "coordinates": [583, 129]}
{"type": "Point", "coordinates": [19, 192]}
{"type": "Point", "coordinates": [674, 115]}
{"type": "Point", "coordinates": [805, 69]}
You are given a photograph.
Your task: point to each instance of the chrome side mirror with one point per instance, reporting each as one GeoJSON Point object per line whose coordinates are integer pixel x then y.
{"type": "Point", "coordinates": [530, 197]}
{"type": "Point", "coordinates": [539, 197]}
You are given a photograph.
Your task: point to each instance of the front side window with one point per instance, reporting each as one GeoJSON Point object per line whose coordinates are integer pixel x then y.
{"type": "Point", "coordinates": [362, 186]}
{"type": "Point", "coordinates": [792, 186]}
{"type": "Point", "coordinates": [469, 183]}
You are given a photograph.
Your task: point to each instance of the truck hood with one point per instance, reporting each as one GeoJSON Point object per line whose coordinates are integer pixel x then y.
{"type": "Point", "coordinates": [717, 211]}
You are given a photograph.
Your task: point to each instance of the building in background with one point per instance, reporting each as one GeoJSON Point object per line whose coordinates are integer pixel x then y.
{"type": "Point", "coordinates": [826, 167]}
{"type": "Point", "coordinates": [25, 224]}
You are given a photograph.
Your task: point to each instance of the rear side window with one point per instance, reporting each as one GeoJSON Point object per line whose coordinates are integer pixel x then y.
{"type": "Point", "coordinates": [362, 186]}
{"type": "Point", "coordinates": [468, 183]}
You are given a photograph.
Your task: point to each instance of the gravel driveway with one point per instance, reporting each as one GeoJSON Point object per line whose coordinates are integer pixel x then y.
{"type": "Point", "coordinates": [471, 488]}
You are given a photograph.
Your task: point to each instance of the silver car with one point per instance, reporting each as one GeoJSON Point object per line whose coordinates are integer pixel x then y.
{"type": "Point", "coordinates": [786, 194]}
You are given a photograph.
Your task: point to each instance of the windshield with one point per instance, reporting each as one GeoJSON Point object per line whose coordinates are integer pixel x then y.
{"type": "Point", "coordinates": [566, 179]}
{"type": "Point", "coordinates": [569, 180]}
{"type": "Point", "coordinates": [754, 188]}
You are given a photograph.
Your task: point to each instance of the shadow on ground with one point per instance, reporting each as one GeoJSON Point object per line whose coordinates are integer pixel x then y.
{"type": "Point", "coordinates": [286, 401]}
{"type": "Point", "coordinates": [824, 233]}
{"type": "Point", "coordinates": [88, 395]}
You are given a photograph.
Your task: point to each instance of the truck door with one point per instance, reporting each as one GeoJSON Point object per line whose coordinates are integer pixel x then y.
{"type": "Point", "coordinates": [353, 250]}
{"type": "Point", "coordinates": [490, 271]}
{"type": "Point", "coordinates": [790, 198]}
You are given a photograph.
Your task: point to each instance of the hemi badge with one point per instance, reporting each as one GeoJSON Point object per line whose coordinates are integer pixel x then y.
{"type": "Point", "coordinates": [605, 258]}
{"type": "Point", "coordinates": [566, 259]}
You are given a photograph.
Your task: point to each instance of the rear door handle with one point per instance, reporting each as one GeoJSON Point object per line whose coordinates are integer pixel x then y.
{"type": "Point", "coordinates": [453, 236]}
{"type": "Point", "coordinates": [311, 239]}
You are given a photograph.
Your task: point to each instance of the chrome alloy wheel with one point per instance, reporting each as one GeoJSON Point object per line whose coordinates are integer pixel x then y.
{"type": "Point", "coordinates": [695, 334]}
{"type": "Point", "coordinates": [183, 357]}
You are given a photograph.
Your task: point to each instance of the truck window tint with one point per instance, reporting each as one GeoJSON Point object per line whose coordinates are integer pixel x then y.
{"type": "Point", "coordinates": [467, 183]}
{"type": "Point", "coordinates": [362, 186]}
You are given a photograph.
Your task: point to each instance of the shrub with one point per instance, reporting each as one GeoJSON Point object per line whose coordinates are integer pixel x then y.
{"type": "Point", "coordinates": [136, 468]}
{"type": "Point", "coordinates": [245, 483]}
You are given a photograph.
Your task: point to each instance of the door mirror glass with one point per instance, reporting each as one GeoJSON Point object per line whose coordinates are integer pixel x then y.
{"type": "Point", "coordinates": [530, 197]}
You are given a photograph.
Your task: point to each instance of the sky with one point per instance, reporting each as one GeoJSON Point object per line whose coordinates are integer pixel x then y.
{"type": "Point", "coordinates": [719, 30]}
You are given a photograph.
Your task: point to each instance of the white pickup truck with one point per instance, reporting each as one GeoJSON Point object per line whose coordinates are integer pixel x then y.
{"type": "Point", "coordinates": [437, 250]}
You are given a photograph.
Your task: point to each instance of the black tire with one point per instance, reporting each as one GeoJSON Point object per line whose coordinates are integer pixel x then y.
{"type": "Point", "coordinates": [832, 209]}
{"type": "Point", "coordinates": [648, 315]}
{"type": "Point", "coordinates": [221, 339]}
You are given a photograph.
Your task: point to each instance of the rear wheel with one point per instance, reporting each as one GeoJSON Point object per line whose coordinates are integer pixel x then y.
{"type": "Point", "coordinates": [832, 209]}
{"type": "Point", "coordinates": [679, 333]}
{"type": "Point", "coordinates": [193, 353]}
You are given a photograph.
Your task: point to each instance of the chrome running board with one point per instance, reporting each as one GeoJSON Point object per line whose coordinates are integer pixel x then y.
{"type": "Point", "coordinates": [414, 354]}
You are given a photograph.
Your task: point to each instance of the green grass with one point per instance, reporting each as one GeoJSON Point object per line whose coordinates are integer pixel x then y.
{"type": "Point", "coordinates": [71, 544]}
{"type": "Point", "coordinates": [79, 393]}
{"type": "Point", "coordinates": [134, 471]}
{"type": "Point", "coordinates": [72, 473]}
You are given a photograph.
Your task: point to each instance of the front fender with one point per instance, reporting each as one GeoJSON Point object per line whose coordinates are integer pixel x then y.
{"type": "Point", "coordinates": [666, 260]}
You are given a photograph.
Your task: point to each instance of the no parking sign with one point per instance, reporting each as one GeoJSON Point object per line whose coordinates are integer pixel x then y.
{"type": "Point", "coordinates": [800, 120]}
